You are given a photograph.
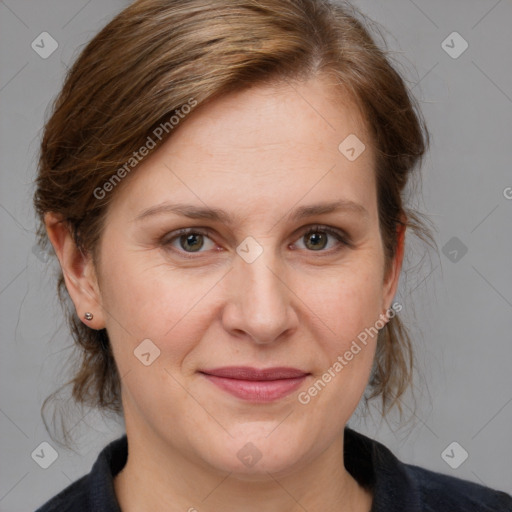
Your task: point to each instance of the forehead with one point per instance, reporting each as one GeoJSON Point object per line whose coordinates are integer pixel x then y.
{"type": "Point", "coordinates": [258, 146]}
{"type": "Point", "coordinates": [313, 114]}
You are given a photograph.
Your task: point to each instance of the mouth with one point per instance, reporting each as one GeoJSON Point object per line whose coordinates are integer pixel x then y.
{"type": "Point", "coordinates": [256, 385]}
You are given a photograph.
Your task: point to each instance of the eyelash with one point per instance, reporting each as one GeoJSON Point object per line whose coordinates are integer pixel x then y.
{"type": "Point", "coordinates": [342, 238]}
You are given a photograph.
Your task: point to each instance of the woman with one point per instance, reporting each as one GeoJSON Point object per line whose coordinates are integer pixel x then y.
{"type": "Point", "coordinates": [222, 184]}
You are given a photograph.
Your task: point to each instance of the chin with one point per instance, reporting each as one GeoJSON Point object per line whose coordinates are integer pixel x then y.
{"type": "Point", "coordinates": [253, 456]}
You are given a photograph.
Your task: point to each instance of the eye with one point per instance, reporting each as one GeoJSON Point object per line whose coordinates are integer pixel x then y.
{"type": "Point", "coordinates": [188, 240]}
{"type": "Point", "coordinates": [317, 238]}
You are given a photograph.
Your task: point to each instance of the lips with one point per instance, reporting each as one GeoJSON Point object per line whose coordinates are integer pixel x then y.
{"type": "Point", "coordinates": [249, 373]}
{"type": "Point", "coordinates": [256, 385]}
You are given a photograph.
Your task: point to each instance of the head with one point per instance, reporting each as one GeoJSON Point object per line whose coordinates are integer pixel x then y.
{"type": "Point", "coordinates": [255, 116]}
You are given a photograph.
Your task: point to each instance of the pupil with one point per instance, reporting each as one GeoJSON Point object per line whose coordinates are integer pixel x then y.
{"type": "Point", "coordinates": [317, 239]}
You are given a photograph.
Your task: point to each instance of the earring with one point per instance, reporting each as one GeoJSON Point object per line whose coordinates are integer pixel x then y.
{"type": "Point", "coordinates": [88, 316]}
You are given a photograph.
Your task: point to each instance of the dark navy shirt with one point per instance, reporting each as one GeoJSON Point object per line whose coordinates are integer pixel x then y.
{"type": "Point", "coordinates": [396, 487]}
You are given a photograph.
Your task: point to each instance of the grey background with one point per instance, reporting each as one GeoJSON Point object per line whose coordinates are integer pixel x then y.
{"type": "Point", "coordinates": [459, 312]}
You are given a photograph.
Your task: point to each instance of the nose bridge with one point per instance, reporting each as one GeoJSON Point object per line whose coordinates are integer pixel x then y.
{"type": "Point", "coordinates": [261, 296]}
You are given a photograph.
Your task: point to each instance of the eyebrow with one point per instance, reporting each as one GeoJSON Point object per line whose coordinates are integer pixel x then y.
{"type": "Point", "coordinates": [220, 215]}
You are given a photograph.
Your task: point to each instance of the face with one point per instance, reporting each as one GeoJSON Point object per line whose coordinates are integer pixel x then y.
{"type": "Point", "coordinates": [261, 287]}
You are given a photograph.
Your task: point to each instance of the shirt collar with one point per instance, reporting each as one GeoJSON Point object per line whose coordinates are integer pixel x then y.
{"type": "Point", "coordinates": [374, 466]}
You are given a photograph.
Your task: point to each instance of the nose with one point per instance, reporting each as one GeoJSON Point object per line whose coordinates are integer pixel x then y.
{"type": "Point", "coordinates": [259, 301]}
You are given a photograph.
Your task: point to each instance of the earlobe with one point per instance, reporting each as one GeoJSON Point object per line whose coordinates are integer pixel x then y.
{"type": "Point", "coordinates": [78, 270]}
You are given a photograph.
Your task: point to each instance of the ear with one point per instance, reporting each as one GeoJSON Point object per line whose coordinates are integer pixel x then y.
{"type": "Point", "coordinates": [391, 280]}
{"type": "Point", "coordinates": [78, 269]}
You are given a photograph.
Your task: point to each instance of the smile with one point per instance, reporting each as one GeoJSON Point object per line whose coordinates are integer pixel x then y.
{"type": "Point", "coordinates": [257, 386]}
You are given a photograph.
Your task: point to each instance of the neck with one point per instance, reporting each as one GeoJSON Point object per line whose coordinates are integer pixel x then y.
{"type": "Point", "coordinates": [159, 477]}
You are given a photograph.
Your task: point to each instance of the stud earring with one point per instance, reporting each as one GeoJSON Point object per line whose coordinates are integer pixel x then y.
{"type": "Point", "coordinates": [88, 316]}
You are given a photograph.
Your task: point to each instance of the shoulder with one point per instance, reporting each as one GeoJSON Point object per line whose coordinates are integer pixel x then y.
{"type": "Point", "coordinates": [94, 491]}
{"type": "Point", "coordinates": [398, 486]}
{"type": "Point", "coordinates": [438, 491]}
{"type": "Point", "coordinates": [73, 498]}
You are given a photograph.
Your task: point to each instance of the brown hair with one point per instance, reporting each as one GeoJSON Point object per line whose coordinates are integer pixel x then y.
{"type": "Point", "coordinates": [156, 55]}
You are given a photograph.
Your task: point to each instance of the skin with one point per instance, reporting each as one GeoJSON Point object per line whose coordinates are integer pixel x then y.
{"type": "Point", "coordinates": [259, 154]}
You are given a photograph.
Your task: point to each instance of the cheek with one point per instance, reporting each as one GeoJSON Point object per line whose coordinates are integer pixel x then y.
{"type": "Point", "coordinates": [346, 302]}
{"type": "Point", "coordinates": [156, 302]}
{"type": "Point", "coordinates": [347, 306]}
{"type": "Point", "coordinates": [146, 298]}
